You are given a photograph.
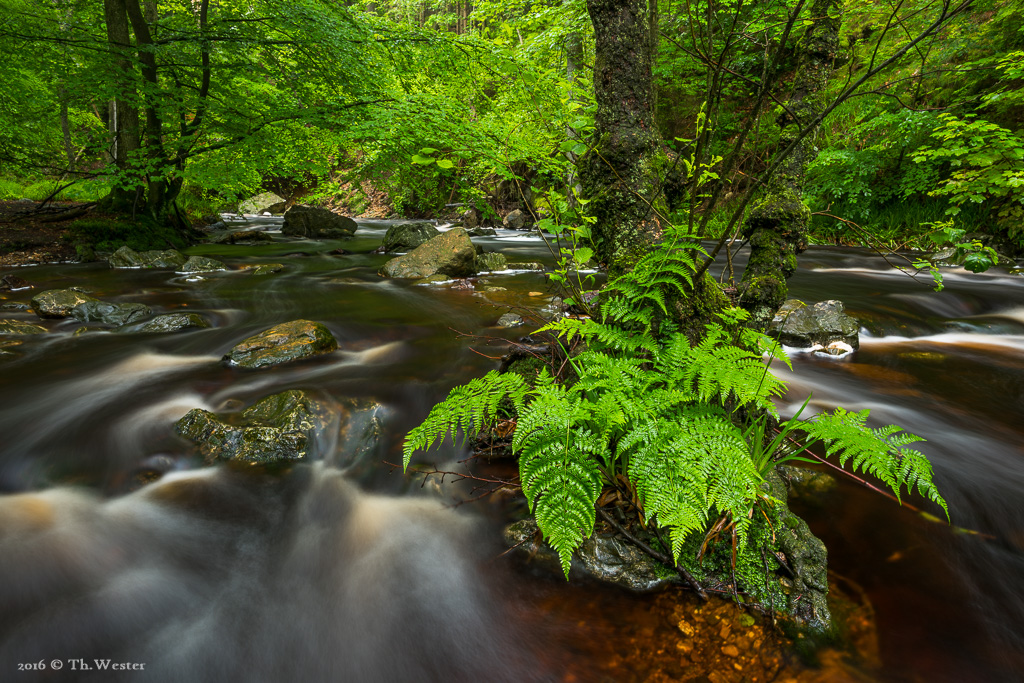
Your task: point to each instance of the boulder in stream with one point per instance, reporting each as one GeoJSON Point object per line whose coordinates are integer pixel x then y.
{"type": "Point", "coordinates": [126, 257]}
{"type": "Point", "coordinates": [317, 224]}
{"type": "Point", "coordinates": [450, 253]}
{"type": "Point", "coordinates": [242, 237]}
{"type": "Point", "coordinates": [282, 344]}
{"type": "Point", "coordinates": [168, 322]}
{"type": "Point", "coordinates": [278, 428]}
{"type": "Point", "coordinates": [110, 314]}
{"type": "Point", "coordinates": [59, 303]}
{"type": "Point", "coordinates": [799, 325]}
{"type": "Point", "coordinates": [17, 327]}
{"type": "Point", "coordinates": [491, 260]}
{"type": "Point", "coordinates": [408, 236]}
{"type": "Point", "coordinates": [289, 426]}
{"type": "Point", "coordinates": [265, 201]}
{"type": "Point", "coordinates": [516, 220]}
{"type": "Point", "coordinates": [202, 264]}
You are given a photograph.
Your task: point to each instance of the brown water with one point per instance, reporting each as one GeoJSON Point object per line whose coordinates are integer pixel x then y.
{"type": "Point", "coordinates": [217, 574]}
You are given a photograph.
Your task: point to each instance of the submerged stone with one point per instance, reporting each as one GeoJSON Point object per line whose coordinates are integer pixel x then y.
{"type": "Point", "coordinates": [17, 327]}
{"type": "Point", "coordinates": [126, 257]}
{"type": "Point", "coordinates": [168, 322]}
{"type": "Point", "coordinates": [202, 264]}
{"type": "Point", "coordinates": [59, 303]}
{"type": "Point", "coordinates": [510, 320]}
{"type": "Point", "coordinates": [110, 314]}
{"type": "Point", "coordinates": [408, 236]}
{"type": "Point", "coordinates": [266, 269]}
{"type": "Point", "coordinates": [243, 237]}
{"type": "Point", "coordinates": [282, 344]}
{"type": "Point", "coordinates": [13, 283]}
{"type": "Point", "coordinates": [450, 253]}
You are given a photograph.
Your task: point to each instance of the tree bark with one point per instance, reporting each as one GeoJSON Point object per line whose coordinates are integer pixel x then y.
{"type": "Point", "coordinates": [123, 117]}
{"type": "Point", "coordinates": [620, 174]}
{"type": "Point", "coordinates": [777, 227]}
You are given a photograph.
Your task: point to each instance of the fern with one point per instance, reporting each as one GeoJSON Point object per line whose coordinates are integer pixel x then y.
{"type": "Point", "coordinates": [468, 409]}
{"type": "Point", "coordinates": [664, 411]}
{"type": "Point", "coordinates": [880, 452]}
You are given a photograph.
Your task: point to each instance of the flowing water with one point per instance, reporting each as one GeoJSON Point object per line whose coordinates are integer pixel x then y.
{"type": "Point", "coordinates": [359, 572]}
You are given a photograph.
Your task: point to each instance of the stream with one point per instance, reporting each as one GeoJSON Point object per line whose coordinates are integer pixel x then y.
{"type": "Point", "coordinates": [353, 571]}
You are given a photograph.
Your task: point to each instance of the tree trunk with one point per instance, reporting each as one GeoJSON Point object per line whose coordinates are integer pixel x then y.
{"type": "Point", "coordinates": [123, 117]}
{"type": "Point", "coordinates": [777, 227]}
{"type": "Point", "coordinates": [619, 176]}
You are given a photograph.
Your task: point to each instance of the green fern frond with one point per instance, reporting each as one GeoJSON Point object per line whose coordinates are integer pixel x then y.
{"type": "Point", "coordinates": [880, 452]}
{"type": "Point", "coordinates": [468, 409]}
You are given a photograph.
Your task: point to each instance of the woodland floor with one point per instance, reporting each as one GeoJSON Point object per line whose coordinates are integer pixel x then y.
{"type": "Point", "coordinates": [31, 233]}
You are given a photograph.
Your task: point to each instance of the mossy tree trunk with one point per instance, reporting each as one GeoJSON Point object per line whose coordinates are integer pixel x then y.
{"type": "Point", "coordinates": [622, 176]}
{"type": "Point", "coordinates": [777, 227]}
{"type": "Point", "coordinates": [619, 176]}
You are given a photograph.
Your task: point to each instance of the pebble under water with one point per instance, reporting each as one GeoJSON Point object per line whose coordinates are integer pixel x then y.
{"type": "Point", "coordinates": [117, 544]}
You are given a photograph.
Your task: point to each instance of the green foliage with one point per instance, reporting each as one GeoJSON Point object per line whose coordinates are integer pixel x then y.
{"type": "Point", "coordinates": [671, 415]}
{"type": "Point", "coordinates": [986, 165]}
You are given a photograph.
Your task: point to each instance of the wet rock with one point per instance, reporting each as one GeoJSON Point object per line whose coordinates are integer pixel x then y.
{"type": "Point", "coordinates": [515, 220]}
{"type": "Point", "coordinates": [317, 224]}
{"type": "Point", "coordinates": [471, 219]}
{"type": "Point", "coordinates": [491, 261]}
{"type": "Point", "coordinates": [408, 236]}
{"type": "Point", "coordinates": [17, 327]}
{"type": "Point", "coordinates": [168, 322]}
{"type": "Point", "coordinates": [14, 306]}
{"type": "Point", "coordinates": [282, 344]}
{"type": "Point", "coordinates": [58, 303]}
{"type": "Point", "coordinates": [265, 201]}
{"type": "Point", "coordinates": [450, 253]}
{"type": "Point", "coordinates": [481, 232]}
{"type": "Point", "coordinates": [7, 347]}
{"type": "Point", "coordinates": [243, 237]}
{"type": "Point", "coordinates": [510, 320]}
{"type": "Point", "coordinates": [201, 264]}
{"type": "Point", "coordinates": [13, 283]}
{"type": "Point", "coordinates": [266, 268]}
{"type": "Point", "coordinates": [602, 557]}
{"type": "Point", "coordinates": [110, 314]}
{"type": "Point", "coordinates": [283, 427]}
{"type": "Point", "coordinates": [126, 257]}
{"type": "Point", "coordinates": [527, 265]}
{"type": "Point", "coordinates": [799, 325]}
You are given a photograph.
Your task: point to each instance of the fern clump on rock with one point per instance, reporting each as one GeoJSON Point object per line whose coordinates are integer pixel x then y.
{"type": "Point", "coordinates": [681, 418]}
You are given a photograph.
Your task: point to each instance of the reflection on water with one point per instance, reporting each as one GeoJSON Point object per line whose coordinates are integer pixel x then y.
{"type": "Point", "coordinates": [218, 574]}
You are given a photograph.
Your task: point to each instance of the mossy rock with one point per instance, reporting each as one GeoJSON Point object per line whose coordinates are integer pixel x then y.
{"type": "Point", "coordinates": [450, 253]}
{"type": "Point", "coordinates": [202, 264]}
{"type": "Point", "coordinates": [126, 257]}
{"type": "Point", "coordinates": [491, 261]}
{"type": "Point", "coordinates": [287, 427]}
{"type": "Point", "coordinates": [282, 344]}
{"type": "Point", "coordinates": [17, 327]}
{"type": "Point", "coordinates": [408, 236]}
{"type": "Point", "coordinates": [168, 322]}
{"type": "Point", "coordinates": [59, 303]}
{"type": "Point", "coordinates": [799, 325]}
